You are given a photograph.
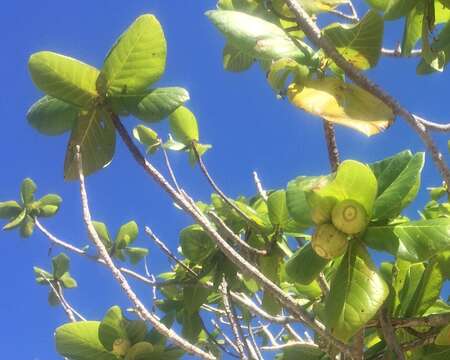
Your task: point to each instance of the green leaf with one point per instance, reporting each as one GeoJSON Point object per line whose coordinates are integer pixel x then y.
{"type": "Point", "coordinates": [281, 70]}
{"type": "Point", "coordinates": [360, 43]}
{"type": "Point", "coordinates": [27, 227]}
{"type": "Point", "coordinates": [427, 291]}
{"type": "Point", "coordinates": [9, 209]}
{"type": "Point", "coordinates": [79, 341]}
{"type": "Point", "coordinates": [68, 281]}
{"type": "Point", "coordinates": [49, 205]}
{"type": "Point", "coordinates": [420, 240]}
{"type": "Point", "coordinates": [399, 178]}
{"type": "Point", "coordinates": [136, 330]}
{"type": "Point", "coordinates": [64, 78]}
{"type": "Point", "coordinates": [183, 126]}
{"type": "Point", "coordinates": [112, 327]}
{"type": "Point", "coordinates": [413, 241]}
{"type": "Point", "coordinates": [270, 266]}
{"type": "Point", "coordinates": [443, 337]}
{"type": "Point", "coordinates": [126, 235]}
{"type": "Point", "coordinates": [42, 277]}
{"type": "Point", "coordinates": [147, 137]}
{"type": "Point", "coordinates": [60, 265]}
{"type": "Point", "coordinates": [236, 60]}
{"type": "Point", "coordinates": [16, 221]}
{"type": "Point", "coordinates": [96, 136]}
{"type": "Point", "coordinates": [303, 352]}
{"type": "Point", "coordinates": [102, 232]}
{"type": "Point", "coordinates": [296, 199]}
{"type": "Point", "coordinates": [51, 116]}
{"type": "Point", "coordinates": [398, 8]}
{"type": "Point", "coordinates": [278, 212]}
{"type": "Point", "coordinates": [413, 28]}
{"type": "Point", "coordinates": [153, 105]}
{"type": "Point", "coordinates": [354, 181]}
{"type": "Point", "coordinates": [194, 297]}
{"type": "Point", "coordinates": [140, 351]}
{"type": "Point", "coordinates": [192, 326]}
{"type": "Point", "coordinates": [195, 243]}
{"type": "Point", "coordinates": [136, 254]}
{"type": "Point", "coordinates": [342, 103]}
{"type": "Point", "coordinates": [137, 59]}
{"type": "Point", "coordinates": [257, 37]}
{"type": "Point", "coordinates": [357, 292]}
{"type": "Point", "coordinates": [305, 265]}
{"type": "Point", "coordinates": [411, 277]}
{"type": "Point", "coordinates": [27, 190]}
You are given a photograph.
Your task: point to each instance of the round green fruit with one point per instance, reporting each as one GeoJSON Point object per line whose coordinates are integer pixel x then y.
{"type": "Point", "coordinates": [121, 346]}
{"type": "Point", "coordinates": [328, 242]}
{"type": "Point", "coordinates": [350, 217]}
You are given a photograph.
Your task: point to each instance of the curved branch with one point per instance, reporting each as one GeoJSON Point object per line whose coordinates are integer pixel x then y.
{"type": "Point", "coordinates": [313, 32]}
{"type": "Point", "coordinates": [430, 125]}
{"type": "Point", "coordinates": [138, 305]}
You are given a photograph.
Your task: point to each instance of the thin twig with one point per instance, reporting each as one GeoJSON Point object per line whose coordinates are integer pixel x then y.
{"type": "Point", "coordinates": [120, 278]}
{"type": "Point", "coordinates": [170, 169]}
{"type": "Point", "coordinates": [323, 284]}
{"type": "Point", "coordinates": [397, 52]}
{"type": "Point", "coordinates": [237, 331]}
{"type": "Point", "coordinates": [353, 9]}
{"type": "Point", "coordinates": [257, 353]}
{"type": "Point", "coordinates": [314, 34]}
{"type": "Point", "coordinates": [294, 334]}
{"type": "Point", "coordinates": [432, 125]}
{"type": "Point", "coordinates": [259, 187]}
{"type": "Point", "coordinates": [428, 321]}
{"type": "Point", "coordinates": [287, 345]}
{"type": "Point", "coordinates": [58, 293]}
{"type": "Point", "coordinates": [65, 245]}
{"type": "Point", "coordinates": [330, 138]}
{"type": "Point", "coordinates": [230, 234]}
{"type": "Point", "coordinates": [167, 251]}
{"type": "Point", "coordinates": [243, 301]}
{"type": "Point", "coordinates": [190, 208]}
{"type": "Point", "coordinates": [216, 187]}
{"type": "Point", "coordinates": [226, 338]}
{"type": "Point", "coordinates": [389, 334]}
{"type": "Point", "coordinates": [343, 15]}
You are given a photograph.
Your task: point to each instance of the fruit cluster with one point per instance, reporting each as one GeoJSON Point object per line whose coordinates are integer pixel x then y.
{"type": "Point", "coordinates": [346, 218]}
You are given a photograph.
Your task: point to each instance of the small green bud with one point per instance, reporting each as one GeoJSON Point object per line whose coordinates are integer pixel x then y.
{"type": "Point", "coordinates": [350, 217]}
{"type": "Point", "coordinates": [328, 242]}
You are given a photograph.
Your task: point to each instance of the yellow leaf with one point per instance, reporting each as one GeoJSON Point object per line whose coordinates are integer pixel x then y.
{"type": "Point", "coordinates": [342, 103]}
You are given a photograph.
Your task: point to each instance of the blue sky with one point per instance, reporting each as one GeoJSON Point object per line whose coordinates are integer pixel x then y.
{"type": "Point", "coordinates": [238, 113]}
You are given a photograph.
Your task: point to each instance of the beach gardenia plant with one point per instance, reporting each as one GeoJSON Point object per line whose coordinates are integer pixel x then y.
{"type": "Point", "coordinates": [331, 263]}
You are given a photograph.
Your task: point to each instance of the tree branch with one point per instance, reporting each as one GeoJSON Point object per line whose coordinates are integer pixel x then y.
{"type": "Point", "coordinates": [167, 251]}
{"type": "Point", "coordinates": [216, 187]}
{"type": "Point", "coordinates": [389, 334]}
{"type": "Point", "coordinates": [429, 321]}
{"type": "Point", "coordinates": [190, 208]}
{"type": "Point", "coordinates": [117, 274]}
{"type": "Point", "coordinates": [230, 234]}
{"type": "Point", "coordinates": [237, 331]}
{"type": "Point", "coordinates": [313, 32]}
{"type": "Point", "coordinates": [259, 187]}
{"type": "Point", "coordinates": [330, 138]}
{"type": "Point", "coordinates": [54, 240]}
